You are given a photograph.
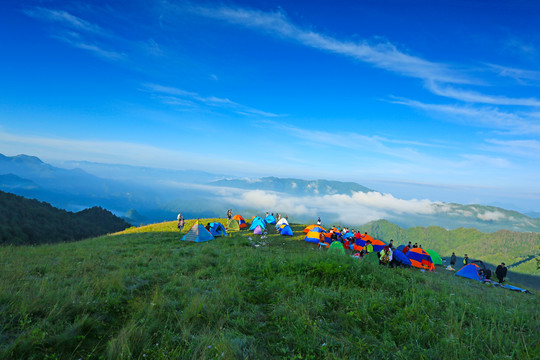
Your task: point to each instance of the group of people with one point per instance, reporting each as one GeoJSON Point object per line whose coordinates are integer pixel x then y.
{"type": "Point", "coordinates": [386, 255]}
{"type": "Point", "coordinates": [181, 222]}
{"type": "Point", "coordinates": [501, 270]}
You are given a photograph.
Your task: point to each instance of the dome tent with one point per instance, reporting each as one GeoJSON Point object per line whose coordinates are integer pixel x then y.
{"type": "Point", "coordinates": [420, 259]}
{"type": "Point", "coordinates": [241, 222]}
{"type": "Point", "coordinates": [198, 233]}
{"type": "Point", "coordinates": [436, 258]}
{"type": "Point", "coordinates": [217, 229]}
{"type": "Point", "coordinates": [287, 231]}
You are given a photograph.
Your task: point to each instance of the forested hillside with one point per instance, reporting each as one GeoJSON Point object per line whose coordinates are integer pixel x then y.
{"type": "Point", "coordinates": [25, 221]}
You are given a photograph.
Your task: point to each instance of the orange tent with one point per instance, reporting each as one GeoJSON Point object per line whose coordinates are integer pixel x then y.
{"type": "Point", "coordinates": [420, 259]}
{"type": "Point", "coordinates": [313, 226]}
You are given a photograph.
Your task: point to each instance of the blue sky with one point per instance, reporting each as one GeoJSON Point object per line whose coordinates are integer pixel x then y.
{"type": "Point", "coordinates": [424, 99]}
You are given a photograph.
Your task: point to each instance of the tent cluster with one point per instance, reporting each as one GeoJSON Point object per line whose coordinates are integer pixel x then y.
{"type": "Point", "coordinates": [340, 241]}
{"type": "Point", "coordinates": [363, 245]}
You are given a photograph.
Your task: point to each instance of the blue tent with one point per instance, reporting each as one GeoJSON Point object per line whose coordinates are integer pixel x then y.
{"type": "Point", "coordinates": [270, 219]}
{"type": "Point", "coordinates": [471, 271]}
{"type": "Point", "coordinates": [401, 258]}
{"type": "Point", "coordinates": [287, 231]}
{"type": "Point", "coordinates": [400, 248]}
{"type": "Point", "coordinates": [259, 222]}
{"type": "Point", "coordinates": [217, 229]}
{"type": "Point", "coordinates": [197, 233]}
{"type": "Point", "coordinates": [348, 235]}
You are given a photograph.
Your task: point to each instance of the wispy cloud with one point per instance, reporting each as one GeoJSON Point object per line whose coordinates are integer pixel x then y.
{"type": "Point", "coordinates": [76, 41]}
{"type": "Point", "coordinates": [525, 77]}
{"type": "Point", "coordinates": [78, 32]}
{"type": "Point", "coordinates": [66, 19]}
{"type": "Point", "coordinates": [475, 97]}
{"type": "Point", "coordinates": [491, 118]}
{"type": "Point", "coordinates": [384, 55]}
{"type": "Point", "coordinates": [175, 96]}
{"type": "Point", "coordinates": [521, 148]}
{"type": "Point", "coordinates": [521, 47]}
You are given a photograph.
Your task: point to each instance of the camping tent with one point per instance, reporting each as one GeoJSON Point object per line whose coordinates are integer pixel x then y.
{"type": "Point", "coordinates": [314, 227]}
{"type": "Point", "coordinates": [241, 222]}
{"type": "Point", "coordinates": [326, 239]}
{"type": "Point", "coordinates": [257, 222]}
{"type": "Point", "coordinates": [420, 259]}
{"type": "Point", "coordinates": [400, 247]}
{"type": "Point", "coordinates": [217, 229]}
{"type": "Point", "coordinates": [401, 258]}
{"type": "Point", "coordinates": [287, 231]}
{"type": "Point", "coordinates": [197, 233]}
{"type": "Point", "coordinates": [336, 248]}
{"type": "Point", "coordinates": [270, 219]}
{"type": "Point", "coordinates": [378, 245]}
{"type": "Point", "coordinates": [360, 243]}
{"type": "Point", "coordinates": [470, 271]}
{"type": "Point", "coordinates": [258, 230]}
{"type": "Point", "coordinates": [312, 237]}
{"type": "Point", "coordinates": [233, 225]}
{"type": "Point", "coordinates": [436, 258]}
{"type": "Point", "coordinates": [282, 221]}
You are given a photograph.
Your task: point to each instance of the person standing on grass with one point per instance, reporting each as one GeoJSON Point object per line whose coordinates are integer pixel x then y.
{"type": "Point", "coordinates": [369, 247]}
{"type": "Point", "coordinates": [501, 272]}
{"type": "Point", "coordinates": [466, 260]}
{"type": "Point", "coordinates": [453, 260]}
{"type": "Point", "coordinates": [319, 221]}
{"type": "Point", "coordinates": [180, 222]}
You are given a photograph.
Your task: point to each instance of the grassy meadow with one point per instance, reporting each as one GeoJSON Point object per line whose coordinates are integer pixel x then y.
{"type": "Point", "coordinates": [143, 294]}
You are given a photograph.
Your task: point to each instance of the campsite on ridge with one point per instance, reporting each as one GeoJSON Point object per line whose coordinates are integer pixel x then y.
{"type": "Point", "coordinates": [145, 293]}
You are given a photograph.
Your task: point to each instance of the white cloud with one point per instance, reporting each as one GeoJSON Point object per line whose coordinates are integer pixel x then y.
{"type": "Point", "coordinates": [353, 209]}
{"type": "Point", "coordinates": [522, 148]}
{"type": "Point", "coordinates": [382, 55]}
{"type": "Point", "coordinates": [526, 77]}
{"type": "Point", "coordinates": [513, 123]}
{"type": "Point", "coordinates": [98, 50]}
{"type": "Point", "coordinates": [66, 19]}
{"type": "Point", "coordinates": [175, 96]}
{"type": "Point", "coordinates": [78, 32]}
{"type": "Point", "coordinates": [475, 97]}
{"type": "Point", "coordinates": [491, 216]}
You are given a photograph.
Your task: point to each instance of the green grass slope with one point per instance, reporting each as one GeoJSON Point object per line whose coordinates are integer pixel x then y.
{"type": "Point", "coordinates": [143, 294]}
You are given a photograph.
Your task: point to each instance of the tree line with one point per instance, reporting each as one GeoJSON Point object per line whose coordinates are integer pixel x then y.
{"type": "Point", "coordinates": [28, 221]}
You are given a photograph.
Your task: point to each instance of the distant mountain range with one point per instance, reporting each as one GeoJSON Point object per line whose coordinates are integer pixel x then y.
{"type": "Point", "coordinates": [147, 195]}
{"type": "Point", "coordinates": [294, 186]}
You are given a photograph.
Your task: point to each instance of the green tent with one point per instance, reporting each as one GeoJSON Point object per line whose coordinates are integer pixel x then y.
{"type": "Point", "coordinates": [371, 257]}
{"type": "Point", "coordinates": [336, 248]}
{"type": "Point", "coordinates": [436, 258]}
{"type": "Point", "coordinates": [233, 225]}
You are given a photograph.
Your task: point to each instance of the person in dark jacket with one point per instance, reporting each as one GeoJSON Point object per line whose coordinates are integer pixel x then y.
{"type": "Point", "coordinates": [466, 260]}
{"type": "Point", "coordinates": [453, 260]}
{"type": "Point", "coordinates": [501, 272]}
